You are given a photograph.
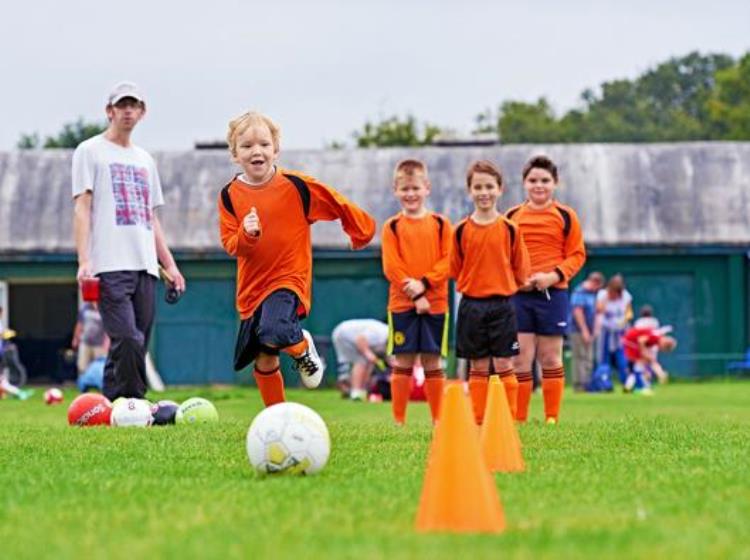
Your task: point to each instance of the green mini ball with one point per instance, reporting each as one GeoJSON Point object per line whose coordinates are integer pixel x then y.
{"type": "Point", "coordinates": [196, 410]}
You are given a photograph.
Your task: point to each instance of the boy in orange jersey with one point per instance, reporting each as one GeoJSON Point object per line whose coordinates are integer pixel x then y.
{"type": "Point", "coordinates": [552, 233]}
{"type": "Point", "coordinates": [265, 215]}
{"type": "Point", "coordinates": [489, 261]}
{"type": "Point", "coordinates": [416, 252]}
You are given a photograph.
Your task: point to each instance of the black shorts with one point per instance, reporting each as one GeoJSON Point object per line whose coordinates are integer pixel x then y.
{"type": "Point", "coordinates": [411, 333]}
{"type": "Point", "coordinates": [274, 325]}
{"type": "Point", "coordinates": [486, 327]}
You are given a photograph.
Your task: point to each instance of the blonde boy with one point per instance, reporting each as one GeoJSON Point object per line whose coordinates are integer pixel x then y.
{"type": "Point", "coordinates": [416, 256]}
{"type": "Point", "coordinates": [265, 214]}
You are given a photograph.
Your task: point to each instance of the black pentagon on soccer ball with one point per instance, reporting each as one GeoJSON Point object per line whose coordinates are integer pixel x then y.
{"type": "Point", "coordinates": [165, 414]}
{"type": "Point", "coordinates": [172, 295]}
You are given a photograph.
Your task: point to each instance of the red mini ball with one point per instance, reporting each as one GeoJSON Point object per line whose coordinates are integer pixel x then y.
{"type": "Point", "coordinates": [89, 409]}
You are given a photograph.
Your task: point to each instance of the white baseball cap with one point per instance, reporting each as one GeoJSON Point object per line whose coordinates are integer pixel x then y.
{"type": "Point", "coordinates": [123, 90]}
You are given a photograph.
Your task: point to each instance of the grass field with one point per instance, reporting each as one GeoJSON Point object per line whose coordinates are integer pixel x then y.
{"type": "Point", "coordinates": [621, 476]}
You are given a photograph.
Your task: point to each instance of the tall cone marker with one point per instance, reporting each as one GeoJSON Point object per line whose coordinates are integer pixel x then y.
{"type": "Point", "coordinates": [459, 493]}
{"type": "Point", "coordinates": [501, 446]}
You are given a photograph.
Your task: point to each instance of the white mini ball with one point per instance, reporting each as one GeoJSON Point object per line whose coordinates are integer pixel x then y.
{"type": "Point", "coordinates": [288, 438]}
{"type": "Point", "coordinates": [131, 413]}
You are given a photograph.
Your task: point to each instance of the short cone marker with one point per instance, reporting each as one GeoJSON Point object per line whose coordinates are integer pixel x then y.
{"type": "Point", "coordinates": [459, 493]}
{"type": "Point", "coordinates": [501, 447]}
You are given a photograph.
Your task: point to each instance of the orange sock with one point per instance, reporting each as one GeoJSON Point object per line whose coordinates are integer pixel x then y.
{"type": "Point", "coordinates": [297, 349]}
{"type": "Point", "coordinates": [400, 390]}
{"type": "Point", "coordinates": [553, 383]}
{"type": "Point", "coordinates": [271, 386]}
{"type": "Point", "coordinates": [434, 381]}
{"type": "Point", "coordinates": [523, 397]}
{"type": "Point", "coordinates": [478, 381]}
{"type": "Point", "coordinates": [511, 389]}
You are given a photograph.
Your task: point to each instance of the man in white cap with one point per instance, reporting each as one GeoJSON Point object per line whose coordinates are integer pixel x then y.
{"type": "Point", "coordinates": [119, 238]}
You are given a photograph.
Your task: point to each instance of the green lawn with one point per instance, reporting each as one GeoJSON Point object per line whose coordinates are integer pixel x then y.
{"type": "Point", "coordinates": [621, 476]}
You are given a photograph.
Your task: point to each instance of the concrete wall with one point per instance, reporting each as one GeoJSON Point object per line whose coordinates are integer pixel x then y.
{"type": "Point", "coordinates": [625, 194]}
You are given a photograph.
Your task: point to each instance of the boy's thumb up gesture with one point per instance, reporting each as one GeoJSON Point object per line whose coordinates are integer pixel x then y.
{"type": "Point", "coordinates": [251, 223]}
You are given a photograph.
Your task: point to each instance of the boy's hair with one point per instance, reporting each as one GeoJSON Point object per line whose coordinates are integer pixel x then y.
{"type": "Point", "coordinates": [240, 124]}
{"type": "Point", "coordinates": [646, 311]}
{"type": "Point", "coordinates": [409, 168]}
{"type": "Point", "coordinates": [540, 162]}
{"type": "Point", "coordinates": [484, 166]}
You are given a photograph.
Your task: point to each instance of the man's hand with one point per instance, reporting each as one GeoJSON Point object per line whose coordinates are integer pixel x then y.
{"type": "Point", "coordinates": [84, 271]}
{"type": "Point", "coordinates": [587, 338]}
{"type": "Point", "coordinates": [251, 223]}
{"type": "Point", "coordinates": [422, 305]}
{"type": "Point", "coordinates": [413, 287]}
{"type": "Point", "coordinates": [175, 278]}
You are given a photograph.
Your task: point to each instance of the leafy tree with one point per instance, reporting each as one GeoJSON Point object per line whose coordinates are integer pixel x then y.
{"type": "Point", "coordinates": [520, 122]}
{"type": "Point", "coordinates": [729, 104]}
{"type": "Point", "coordinates": [70, 136]}
{"type": "Point", "coordinates": [396, 132]}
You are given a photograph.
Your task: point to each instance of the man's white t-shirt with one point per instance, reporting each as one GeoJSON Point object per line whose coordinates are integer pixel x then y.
{"type": "Point", "coordinates": [125, 188]}
{"type": "Point", "coordinates": [615, 310]}
{"type": "Point", "coordinates": [344, 338]}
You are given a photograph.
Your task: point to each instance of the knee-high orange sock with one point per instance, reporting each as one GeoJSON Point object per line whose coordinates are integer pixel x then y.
{"type": "Point", "coordinates": [434, 380]}
{"type": "Point", "coordinates": [271, 386]}
{"type": "Point", "coordinates": [400, 390]}
{"type": "Point", "coordinates": [478, 381]}
{"type": "Point", "coordinates": [523, 397]}
{"type": "Point", "coordinates": [553, 383]}
{"type": "Point", "coordinates": [511, 389]}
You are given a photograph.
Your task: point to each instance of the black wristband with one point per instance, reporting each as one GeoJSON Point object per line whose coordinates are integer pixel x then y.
{"type": "Point", "coordinates": [560, 275]}
{"type": "Point", "coordinates": [415, 298]}
{"type": "Point", "coordinates": [425, 282]}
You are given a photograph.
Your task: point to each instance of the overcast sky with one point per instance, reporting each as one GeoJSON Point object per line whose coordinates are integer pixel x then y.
{"type": "Point", "coordinates": [322, 67]}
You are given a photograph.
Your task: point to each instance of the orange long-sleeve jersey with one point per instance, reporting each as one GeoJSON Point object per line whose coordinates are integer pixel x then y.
{"type": "Point", "coordinates": [417, 248]}
{"type": "Point", "coordinates": [553, 237]}
{"type": "Point", "coordinates": [281, 256]}
{"type": "Point", "coordinates": [488, 259]}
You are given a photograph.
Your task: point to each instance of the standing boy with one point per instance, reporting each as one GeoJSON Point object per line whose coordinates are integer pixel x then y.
{"type": "Point", "coordinates": [119, 239]}
{"type": "Point", "coordinates": [416, 258]}
{"type": "Point", "coordinates": [490, 262]}
{"type": "Point", "coordinates": [265, 215]}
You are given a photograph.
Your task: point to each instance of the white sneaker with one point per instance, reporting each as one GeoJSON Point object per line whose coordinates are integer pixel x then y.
{"type": "Point", "coordinates": [309, 365]}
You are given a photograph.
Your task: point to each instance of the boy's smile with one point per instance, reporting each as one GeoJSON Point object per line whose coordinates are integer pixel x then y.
{"type": "Point", "coordinates": [256, 153]}
{"type": "Point", "coordinates": [411, 192]}
{"type": "Point", "coordinates": [484, 191]}
{"type": "Point", "coordinates": [539, 185]}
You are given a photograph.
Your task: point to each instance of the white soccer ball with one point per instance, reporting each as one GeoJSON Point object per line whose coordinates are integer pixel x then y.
{"type": "Point", "coordinates": [131, 413]}
{"type": "Point", "coordinates": [53, 396]}
{"type": "Point", "coordinates": [288, 438]}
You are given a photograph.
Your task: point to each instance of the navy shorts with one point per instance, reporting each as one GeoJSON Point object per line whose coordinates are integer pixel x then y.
{"type": "Point", "coordinates": [539, 315]}
{"type": "Point", "coordinates": [486, 327]}
{"type": "Point", "coordinates": [274, 325]}
{"type": "Point", "coordinates": [411, 333]}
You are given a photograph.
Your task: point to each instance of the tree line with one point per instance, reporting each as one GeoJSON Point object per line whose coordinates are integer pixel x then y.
{"type": "Point", "coordinates": [693, 97]}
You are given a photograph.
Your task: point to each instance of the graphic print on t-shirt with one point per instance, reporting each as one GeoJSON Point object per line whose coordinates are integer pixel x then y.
{"type": "Point", "coordinates": [131, 191]}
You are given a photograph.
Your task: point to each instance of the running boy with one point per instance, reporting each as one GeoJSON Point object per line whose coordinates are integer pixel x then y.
{"type": "Point", "coordinates": [416, 253]}
{"type": "Point", "coordinates": [489, 261]}
{"type": "Point", "coordinates": [553, 236]}
{"type": "Point", "coordinates": [265, 215]}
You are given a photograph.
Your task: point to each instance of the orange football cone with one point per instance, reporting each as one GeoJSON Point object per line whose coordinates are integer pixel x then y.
{"type": "Point", "coordinates": [501, 446]}
{"type": "Point", "coordinates": [459, 493]}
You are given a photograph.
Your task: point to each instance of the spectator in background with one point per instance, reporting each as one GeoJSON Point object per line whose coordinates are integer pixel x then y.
{"type": "Point", "coordinates": [360, 344]}
{"type": "Point", "coordinates": [614, 311]}
{"type": "Point", "coordinates": [89, 339]}
{"type": "Point", "coordinates": [583, 329]}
